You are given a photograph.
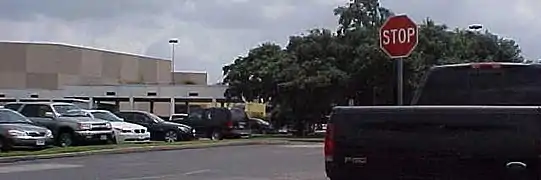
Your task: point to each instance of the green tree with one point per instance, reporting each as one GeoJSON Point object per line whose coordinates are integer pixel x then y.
{"type": "Point", "coordinates": [320, 69]}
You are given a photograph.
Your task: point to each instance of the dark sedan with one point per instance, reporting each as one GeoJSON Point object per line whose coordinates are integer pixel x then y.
{"type": "Point", "coordinates": [159, 129]}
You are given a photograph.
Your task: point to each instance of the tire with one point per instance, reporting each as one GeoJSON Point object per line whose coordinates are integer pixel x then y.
{"type": "Point", "coordinates": [112, 140]}
{"type": "Point", "coordinates": [65, 139]}
{"type": "Point", "coordinates": [216, 135]}
{"type": "Point", "coordinates": [170, 136]}
{"type": "Point", "coordinates": [5, 146]}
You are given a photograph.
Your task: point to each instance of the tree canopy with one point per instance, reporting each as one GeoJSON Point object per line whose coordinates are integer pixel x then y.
{"type": "Point", "coordinates": [322, 68]}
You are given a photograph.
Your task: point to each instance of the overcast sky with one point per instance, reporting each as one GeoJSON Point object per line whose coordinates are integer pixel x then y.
{"type": "Point", "coordinates": [212, 33]}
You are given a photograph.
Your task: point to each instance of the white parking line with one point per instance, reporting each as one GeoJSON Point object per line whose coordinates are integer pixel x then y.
{"type": "Point", "coordinates": [197, 172]}
{"type": "Point", "coordinates": [167, 175]}
{"type": "Point", "coordinates": [35, 167]}
{"type": "Point", "coordinates": [146, 177]}
{"type": "Point", "coordinates": [304, 146]}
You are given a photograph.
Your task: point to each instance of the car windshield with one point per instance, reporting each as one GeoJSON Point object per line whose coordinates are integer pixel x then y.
{"type": "Point", "coordinates": [9, 116]}
{"type": "Point", "coordinates": [156, 118]}
{"type": "Point", "coordinates": [238, 114]}
{"type": "Point", "coordinates": [106, 115]}
{"type": "Point", "coordinates": [69, 110]}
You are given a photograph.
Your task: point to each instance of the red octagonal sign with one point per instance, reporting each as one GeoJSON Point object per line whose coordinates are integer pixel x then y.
{"type": "Point", "coordinates": [398, 36]}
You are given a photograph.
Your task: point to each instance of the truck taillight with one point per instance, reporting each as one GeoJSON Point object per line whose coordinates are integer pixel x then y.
{"type": "Point", "coordinates": [329, 142]}
{"type": "Point", "coordinates": [229, 124]}
{"type": "Point", "coordinates": [486, 65]}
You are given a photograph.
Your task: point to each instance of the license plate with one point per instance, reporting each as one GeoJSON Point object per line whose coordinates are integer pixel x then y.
{"type": "Point", "coordinates": [142, 137]}
{"type": "Point", "coordinates": [40, 142]}
{"type": "Point", "coordinates": [103, 137]}
{"type": "Point", "coordinates": [241, 126]}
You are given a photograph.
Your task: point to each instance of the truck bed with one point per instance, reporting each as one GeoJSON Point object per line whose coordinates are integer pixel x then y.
{"type": "Point", "coordinates": [434, 142]}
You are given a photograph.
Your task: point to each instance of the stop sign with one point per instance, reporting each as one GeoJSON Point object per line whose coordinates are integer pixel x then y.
{"type": "Point", "coordinates": [398, 36]}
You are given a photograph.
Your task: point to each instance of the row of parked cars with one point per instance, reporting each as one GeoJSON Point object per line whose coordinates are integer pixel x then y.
{"type": "Point", "coordinates": [41, 124]}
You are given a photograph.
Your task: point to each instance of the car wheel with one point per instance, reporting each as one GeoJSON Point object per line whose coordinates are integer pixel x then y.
{"type": "Point", "coordinates": [170, 136]}
{"type": "Point", "coordinates": [4, 145]}
{"type": "Point", "coordinates": [216, 135]}
{"type": "Point", "coordinates": [65, 139]}
{"type": "Point", "coordinates": [112, 140]}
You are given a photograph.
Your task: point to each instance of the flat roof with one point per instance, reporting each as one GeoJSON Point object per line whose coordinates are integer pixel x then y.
{"type": "Point", "coordinates": [84, 47]}
{"type": "Point", "coordinates": [191, 72]}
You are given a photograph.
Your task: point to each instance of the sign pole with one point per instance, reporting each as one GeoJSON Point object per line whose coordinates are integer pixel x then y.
{"type": "Point", "coordinates": [400, 81]}
{"type": "Point", "coordinates": [398, 37]}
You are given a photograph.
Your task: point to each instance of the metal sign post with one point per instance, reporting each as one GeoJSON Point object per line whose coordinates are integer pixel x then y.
{"type": "Point", "coordinates": [400, 81]}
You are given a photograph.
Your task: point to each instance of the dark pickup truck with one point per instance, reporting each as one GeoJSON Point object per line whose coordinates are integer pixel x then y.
{"type": "Point", "coordinates": [467, 121]}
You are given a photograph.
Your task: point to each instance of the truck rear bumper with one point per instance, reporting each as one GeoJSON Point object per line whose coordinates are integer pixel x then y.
{"type": "Point", "coordinates": [237, 133]}
{"type": "Point", "coordinates": [334, 172]}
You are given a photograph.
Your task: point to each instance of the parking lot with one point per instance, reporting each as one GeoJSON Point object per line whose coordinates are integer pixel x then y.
{"type": "Point", "coordinates": [261, 162]}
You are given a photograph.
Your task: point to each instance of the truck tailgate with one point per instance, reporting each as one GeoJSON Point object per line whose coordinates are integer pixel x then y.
{"type": "Point", "coordinates": [470, 142]}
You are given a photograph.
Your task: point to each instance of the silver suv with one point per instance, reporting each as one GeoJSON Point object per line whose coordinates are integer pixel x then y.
{"type": "Point", "coordinates": [69, 124]}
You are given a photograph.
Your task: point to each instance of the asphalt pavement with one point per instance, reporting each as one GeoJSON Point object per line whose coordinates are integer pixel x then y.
{"type": "Point", "coordinates": [261, 162]}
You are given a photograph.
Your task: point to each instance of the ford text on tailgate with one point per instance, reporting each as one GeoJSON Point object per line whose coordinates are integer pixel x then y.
{"type": "Point", "coordinates": [433, 142]}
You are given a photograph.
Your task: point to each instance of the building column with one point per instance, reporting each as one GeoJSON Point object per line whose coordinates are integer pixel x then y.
{"type": "Point", "coordinates": [172, 106]}
{"type": "Point", "coordinates": [132, 103]}
{"type": "Point", "coordinates": [151, 106]}
{"type": "Point", "coordinates": [91, 102]}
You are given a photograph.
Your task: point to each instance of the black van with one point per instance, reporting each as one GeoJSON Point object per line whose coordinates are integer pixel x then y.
{"type": "Point", "coordinates": [218, 123]}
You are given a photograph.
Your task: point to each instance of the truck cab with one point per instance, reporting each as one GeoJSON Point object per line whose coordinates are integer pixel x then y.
{"type": "Point", "coordinates": [481, 84]}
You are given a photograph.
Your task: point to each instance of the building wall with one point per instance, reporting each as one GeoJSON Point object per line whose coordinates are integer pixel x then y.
{"type": "Point", "coordinates": [160, 108]}
{"type": "Point", "coordinates": [196, 78]}
{"type": "Point", "coordinates": [52, 66]}
{"type": "Point", "coordinates": [207, 91]}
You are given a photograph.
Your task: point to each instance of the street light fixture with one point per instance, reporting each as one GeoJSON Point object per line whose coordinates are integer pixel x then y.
{"type": "Point", "coordinates": [173, 42]}
{"type": "Point", "coordinates": [475, 27]}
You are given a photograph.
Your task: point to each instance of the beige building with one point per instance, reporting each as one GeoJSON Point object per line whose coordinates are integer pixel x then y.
{"type": "Point", "coordinates": [52, 66]}
{"type": "Point", "coordinates": [44, 70]}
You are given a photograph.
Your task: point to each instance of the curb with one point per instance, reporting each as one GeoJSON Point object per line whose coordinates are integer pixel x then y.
{"type": "Point", "coordinates": [307, 140]}
{"type": "Point", "coordinates": [141, 149]}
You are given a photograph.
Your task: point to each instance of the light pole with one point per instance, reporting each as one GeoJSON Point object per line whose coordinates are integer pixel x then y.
{"type": "Point", "coordinates": [173, 42]}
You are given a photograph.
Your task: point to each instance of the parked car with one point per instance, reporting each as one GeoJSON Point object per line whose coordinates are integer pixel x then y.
{"type": "Point", "coordinates": [260, 126]}
{"type": "Point", "coordinates": [159, 129]}
{"type": "Point", "coordinates": [69, 123]}
{"type": "Point", "coordinates": [17, 130]}
{"type": "Point", "coordinates": [124, 131]}
{"type": "Point", "coordinates": [218, 123]}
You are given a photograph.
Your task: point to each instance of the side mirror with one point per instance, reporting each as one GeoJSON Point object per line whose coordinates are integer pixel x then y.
{"type": "Point", "coordinates": [49, 114]}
